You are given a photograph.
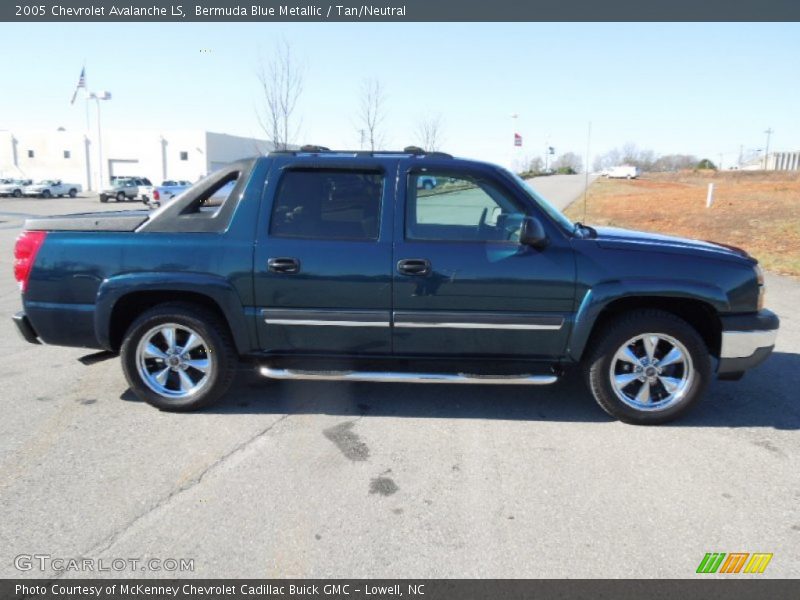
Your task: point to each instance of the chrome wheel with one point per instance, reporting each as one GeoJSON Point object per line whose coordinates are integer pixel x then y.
{"type": "Point", "coordinates": [174, 361]}
{"type": "Point", "coordinates": [651, 372]}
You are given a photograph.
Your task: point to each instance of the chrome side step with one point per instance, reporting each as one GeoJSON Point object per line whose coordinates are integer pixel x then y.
{"type": "Point", "coordinates": [401, 377]}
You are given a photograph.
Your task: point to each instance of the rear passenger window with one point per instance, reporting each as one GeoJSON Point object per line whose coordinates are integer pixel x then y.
{"type": "Point", "coordinates": [328, 204]}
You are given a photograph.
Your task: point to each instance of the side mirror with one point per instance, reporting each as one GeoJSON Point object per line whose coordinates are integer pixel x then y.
{"type": "Point", "coordinates": [532, 233]}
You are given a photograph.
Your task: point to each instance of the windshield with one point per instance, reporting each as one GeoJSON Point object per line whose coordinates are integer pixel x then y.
{"type": "Point", "coordinates": [551, 210]}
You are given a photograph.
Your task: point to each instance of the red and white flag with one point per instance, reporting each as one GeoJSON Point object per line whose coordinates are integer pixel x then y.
{"type": "Point", "coordinates": [517, 139]}
{"type": "Point", "coordinates": [81, 84]}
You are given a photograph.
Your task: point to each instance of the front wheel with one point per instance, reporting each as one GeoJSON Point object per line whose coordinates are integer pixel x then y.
{"type": "Point", "coordinates": [648, 367]}
{"type": "Point", "coordinates": [178, 357]}
{"type": "Point", "coordinates": [46, 194]}
{"type": "Point", "coordinates": [121, 197]}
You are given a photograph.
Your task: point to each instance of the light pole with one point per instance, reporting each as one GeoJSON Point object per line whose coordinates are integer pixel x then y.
{"type": "Point", "coordinates": [514, 117]}
{"type": "Point", "coordinates": [97, 97]}
{"type": "Point", "coordinates": [769, 132]}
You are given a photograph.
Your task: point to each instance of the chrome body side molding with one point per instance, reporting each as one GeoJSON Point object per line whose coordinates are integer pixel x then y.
{"type": "Point", "coordinates": [403, 377]}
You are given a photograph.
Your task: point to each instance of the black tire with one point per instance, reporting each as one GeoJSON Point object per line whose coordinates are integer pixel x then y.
{"type": "Point", "coordinates": [17, 194]}
{"type": "Point", "coordinates": [220, 350]}
{"type": "Point", "coordinates": [613, 337]}
{"type": "Point", "coordinates": [73, 192]}
{"type": "Point", "coordinates": [46, 194]}
{"type": "Point", "coordinates": [121, 197]}
{"type": "Point", "coordinates": [103, 198]}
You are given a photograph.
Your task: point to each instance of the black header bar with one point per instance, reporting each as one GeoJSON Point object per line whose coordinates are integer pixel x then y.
{"type": "Point", "coordinates": [397, 10]}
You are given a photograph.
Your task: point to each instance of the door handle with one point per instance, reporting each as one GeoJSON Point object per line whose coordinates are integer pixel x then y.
{"type": "Point", "coordinates": [283, 265]}
{"type": "Point", "coordinates": [414, 266]}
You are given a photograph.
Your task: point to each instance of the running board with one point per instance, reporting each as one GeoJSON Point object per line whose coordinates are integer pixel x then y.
{"type": "Point", "coordinates": [401, 377]}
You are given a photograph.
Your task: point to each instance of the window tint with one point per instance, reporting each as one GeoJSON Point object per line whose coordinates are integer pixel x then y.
{"type": "Point", "coordinates": [328, 204]}
{"type": "Point", "coordinates": [452, 206]}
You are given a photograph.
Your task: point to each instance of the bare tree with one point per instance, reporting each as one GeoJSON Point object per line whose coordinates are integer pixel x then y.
{"type": "Point", "coordinates": [281, 81]}
{"type": "Point", "coordinates": [675, 162]}
{"type": "Point", "coordinates": [629, 154]}
{"type": "Point", "coordinates": [372, 113]}
{"type": "Point", "coordinates": [569, 162]}
{"type": "Point", "coordinates": [536, 165]}
{"type": "Point", "coordinates": [429, 133]}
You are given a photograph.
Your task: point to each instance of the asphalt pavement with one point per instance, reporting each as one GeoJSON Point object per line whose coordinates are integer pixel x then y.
{"type": "Point", "coordinates": [310, 479]}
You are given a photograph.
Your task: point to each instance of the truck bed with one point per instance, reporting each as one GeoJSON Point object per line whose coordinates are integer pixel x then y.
{"type": "Point", "coordinates": [125, 220]}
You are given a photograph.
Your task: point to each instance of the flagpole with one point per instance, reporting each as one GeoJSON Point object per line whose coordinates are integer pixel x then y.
{"type": "Point", "coordinates": [86, 95]}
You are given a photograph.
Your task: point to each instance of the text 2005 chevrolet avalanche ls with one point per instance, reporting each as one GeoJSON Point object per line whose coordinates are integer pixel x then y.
{"type": "Point", "coordinates": [338, 265]}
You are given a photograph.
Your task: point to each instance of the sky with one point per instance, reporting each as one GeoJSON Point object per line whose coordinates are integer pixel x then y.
{"type": "Point", "coordinates": [703, 88]}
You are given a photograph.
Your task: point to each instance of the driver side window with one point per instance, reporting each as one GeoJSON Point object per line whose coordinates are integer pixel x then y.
{"type": "Point", "coordinates": [459, 207]}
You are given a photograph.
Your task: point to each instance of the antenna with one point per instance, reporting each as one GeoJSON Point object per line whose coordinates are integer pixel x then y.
{"type": "Point", "coordinates": [586, 177]}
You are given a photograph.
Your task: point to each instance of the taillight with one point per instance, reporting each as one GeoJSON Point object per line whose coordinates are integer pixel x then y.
{"type": "Point", "coordinates": [25, 250]}
{"type": "Point", "coordinates": [156, 195]}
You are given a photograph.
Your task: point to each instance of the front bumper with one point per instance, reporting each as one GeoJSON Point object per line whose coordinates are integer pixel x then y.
{"type": "Point", "coordinates": [747, 341]}
{"type": "Point", "coordinates": [25, 328]}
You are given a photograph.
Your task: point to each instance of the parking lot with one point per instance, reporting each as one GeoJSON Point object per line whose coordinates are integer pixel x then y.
{"type": "Point", "coordinates": [307, 479]}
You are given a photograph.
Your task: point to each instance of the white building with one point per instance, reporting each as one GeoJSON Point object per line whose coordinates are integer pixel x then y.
{"type": "Point", "coordinates": [158, 155]}
{"type": "Point", "coordinates": [783, 161]}
{"type": "Point", "coordinates": [776, 161]}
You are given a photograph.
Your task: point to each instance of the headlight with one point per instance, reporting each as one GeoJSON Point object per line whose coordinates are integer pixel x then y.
{"type": "Point", "coordinates": [762, 288]}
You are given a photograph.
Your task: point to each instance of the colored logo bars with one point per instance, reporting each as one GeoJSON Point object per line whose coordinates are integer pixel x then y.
{"type": "Point", "coordinates": [735, 562]}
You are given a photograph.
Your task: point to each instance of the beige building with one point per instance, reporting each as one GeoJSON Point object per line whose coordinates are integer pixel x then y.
{"type": "Point", "coordinates": [74, 156]}
{"type": "Point", "coordinates": [783, 161]}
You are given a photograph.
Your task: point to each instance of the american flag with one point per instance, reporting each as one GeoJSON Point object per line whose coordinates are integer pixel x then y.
{"type": "Point", "coordinates": [81, 84]}
{"type": "Point", "coordinates": [517, 139]}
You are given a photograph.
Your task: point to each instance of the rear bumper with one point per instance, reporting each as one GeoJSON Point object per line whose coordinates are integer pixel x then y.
{"type": "Point", "coordinates": [747, 340]}
{"type": "Point", "coordinates": [25, 328]}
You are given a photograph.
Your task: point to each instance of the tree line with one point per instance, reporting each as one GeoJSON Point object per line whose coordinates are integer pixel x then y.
{"type": "Point", "coordinates": [281, 83]}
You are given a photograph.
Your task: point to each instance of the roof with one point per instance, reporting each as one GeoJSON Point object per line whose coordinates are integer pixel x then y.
{"type": "Point", "coordinates": [312, 150]}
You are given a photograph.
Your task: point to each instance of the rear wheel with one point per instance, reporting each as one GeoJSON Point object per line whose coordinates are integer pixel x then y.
{"type": "Point", "coordinates": [103, 198]}
{"type": "Point", "coordinates": [648, 367]}
{"type": "Point", "coordinates": [73, 193]}
{"type": "Point", "coordinates": [178, 357]}
{"type": "Point", "coordinates": [46, 194]}
{"type": "Point", "coordinates": [17, 193]}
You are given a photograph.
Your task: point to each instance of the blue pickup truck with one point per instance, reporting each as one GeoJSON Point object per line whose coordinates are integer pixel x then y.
{"type": "Point", "coordinates": [331, 265]}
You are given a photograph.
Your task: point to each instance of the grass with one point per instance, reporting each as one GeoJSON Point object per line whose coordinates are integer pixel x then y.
{"type": "Point", "coordinates": [757, 211]}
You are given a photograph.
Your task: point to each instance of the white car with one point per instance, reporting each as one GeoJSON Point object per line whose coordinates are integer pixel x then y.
{"type": "Point", "coordinates": [13, 187]}
{"type": "Point", "coordinates": [49, 188]}
{"type": "Point", "coordinates": [623, 172]}
{"type": "Point", "coordinates": [168, 190]}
